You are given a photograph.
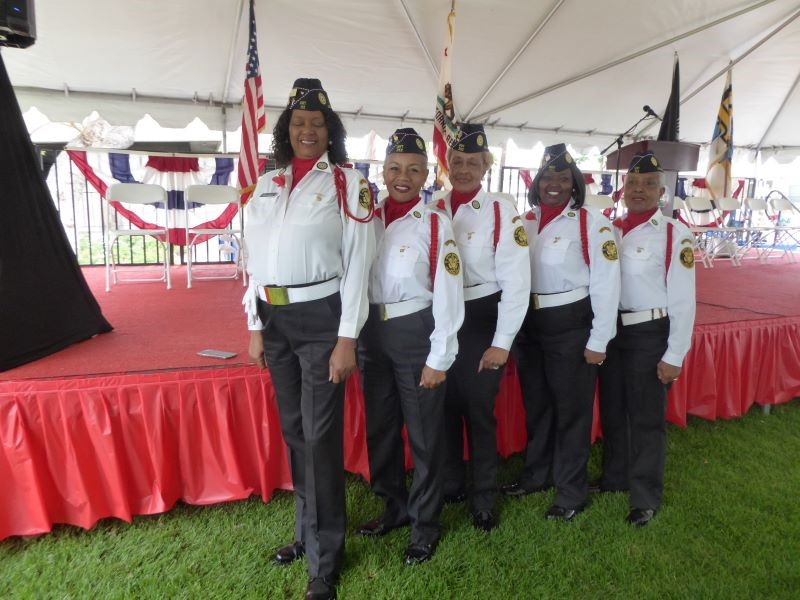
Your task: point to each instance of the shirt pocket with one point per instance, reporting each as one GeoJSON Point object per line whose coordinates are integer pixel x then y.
{"type": "Point", "coordinates": [311, 209]}
{"type": "Point", "coordinates": [637, 259]}
{"type": "Point", "coordinates": [554, 250]}
{"type": "Point", "coordinates": [473, 245]}
{"type": "Point", "coordinates": [401, 260]}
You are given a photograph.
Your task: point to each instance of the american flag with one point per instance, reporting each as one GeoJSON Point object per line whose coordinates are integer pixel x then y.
{"type": "Point", "coordinates": [253, 118]}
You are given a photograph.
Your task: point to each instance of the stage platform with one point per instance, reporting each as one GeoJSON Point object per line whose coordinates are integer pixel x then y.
{"type": "Point", "coordinates": [132, 421]}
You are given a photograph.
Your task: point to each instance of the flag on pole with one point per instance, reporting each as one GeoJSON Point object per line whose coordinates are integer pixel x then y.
{"type": "Point", "coordinates": [444, 126]}
{"type": "Point", "coordinates": [670, 124]}
{"type": "Point", "coordinates": [253, 118]}
{"type": "Point", "coordinates": [720, 153]}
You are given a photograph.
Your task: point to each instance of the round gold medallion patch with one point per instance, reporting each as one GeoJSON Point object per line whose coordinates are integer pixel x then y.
{"type": "Point", "coordinates": [452, 264]}
{"type": "Point", "coordinates": [322, 99]}
{"type": "Point", "coordinates": [322, 165]}
{"type": "Point", "coordinates": [364, 197]}
{"type": "Point", "coordinates": [476, 204]}
{"type": "Point", "coordinates": [520, 236]}
{"type": "Point", "coordinates": [610, 250]}
{"type": "Point", "coordinates": [687, 258]}
{"type": "Point", "coordinates": [420, 144]}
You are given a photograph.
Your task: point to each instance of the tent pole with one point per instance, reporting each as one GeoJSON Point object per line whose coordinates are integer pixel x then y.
{"type": "Point", "coordinates": [595, 71]}
{"type": "Point", "coordinates": [778, 113]}
{"type": "Point", "coordinates": [747, 52]}
{"type": "Point", "coordinates": [237, 27]}
{"type": "Point", "coordinates": [434, 68]}
{"type": "Point", "coordinates": [519, 53]}
{"type": "Point", "coordinates": [730, 65]}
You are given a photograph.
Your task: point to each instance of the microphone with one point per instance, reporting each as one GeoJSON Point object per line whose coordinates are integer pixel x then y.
{"type": "Point", "coordinates": [646, 108]}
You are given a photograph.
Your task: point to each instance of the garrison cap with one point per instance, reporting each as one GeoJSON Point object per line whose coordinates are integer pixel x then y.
{"type": "Point", "coordinates": [645, 163]}
{"type": "Point", "coordinates": [556, 158]}
{"type": "Point", "coordinates": [307, 94]}
{"type": "Point", "coordinates": [470, 139]}
{"type": "Point", "coordinates": [406, 141]}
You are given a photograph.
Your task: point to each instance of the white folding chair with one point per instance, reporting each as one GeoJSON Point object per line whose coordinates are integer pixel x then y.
{"type": "Point", "coordinates": [213, 195]}
{"type": "Point", "coordinates": [766, 235]}
{"type": "Point", "coordinates": [713, 241]}
{"type": "Point", "coordinates": [786, 225]}
{"type": "Point", "coordinates": [140, 194]}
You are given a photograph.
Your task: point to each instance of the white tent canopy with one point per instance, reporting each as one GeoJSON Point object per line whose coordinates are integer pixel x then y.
{"type": "Point", "coordinates": [558, 70]}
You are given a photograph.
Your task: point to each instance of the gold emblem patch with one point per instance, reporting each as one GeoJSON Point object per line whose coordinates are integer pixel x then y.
{"type": "Point", "coordinates": [567, 158]}
{"type": "Point", "coordinates": [687, 258]}
{"type": "Point", "coordinates": [610, 250]}
{"type": "Point", "coordinates": [479, 140]}
{"type": "Point", "coordinates": [322, 165]}
{"type": "Point", "coordinates": [602, 229]}
{"type": "Point", "coordinates": [520, 236]}
{"type": "Point", "coordinates": [654, 161]}
{"type": "Point", "coordinates": [686, 242]}
{"type": "Point", "coordinates": [450, 243]}
{"type": "Point", "coordinates": [570, 214]}
{"type": "Point", "coordinates": [654, 222]}
{"type": "Point", "coordinates": [364, 197]}
{"type": "Point", "coordinates": [417, 214]}
{"type": "Point", "coordinates": [322, 99]}
{"type": "Point", "coordinates": [515, 219]}
{"type": "Point", "coordinates": [451, 263]}
{"type": "Point", "coordinates": [420, 144]}
{"type": "Point", "coordinates": [476, 204]}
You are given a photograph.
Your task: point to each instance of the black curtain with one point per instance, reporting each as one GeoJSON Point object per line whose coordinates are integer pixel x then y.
{"type": "Point", "coordinates": [45, 303]}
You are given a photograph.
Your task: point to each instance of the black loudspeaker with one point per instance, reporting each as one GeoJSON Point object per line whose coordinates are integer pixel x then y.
{"type": "Point", "coordinates": [17, 23]}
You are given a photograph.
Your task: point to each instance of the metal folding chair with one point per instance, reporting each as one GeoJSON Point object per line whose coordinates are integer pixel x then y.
{"type": "Point", "coordinates": [213, 195]}
{"type": "Point", "coordinates": [140, 194]}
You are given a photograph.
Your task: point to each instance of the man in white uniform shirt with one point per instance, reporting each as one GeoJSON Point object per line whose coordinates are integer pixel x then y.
{"type": "Point", "coordinates": [654, 332]}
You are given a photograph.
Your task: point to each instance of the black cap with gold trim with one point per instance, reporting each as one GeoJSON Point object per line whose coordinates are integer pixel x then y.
{"type": "Point", "coordinates": [556, 158]}
{"type": "Point", "coordinates": [645, 163]}
{"type": "Point", "coordinates": [307, 94]}
{"type": "Point", "coordinates": [406, 141]}
{"type": "Point", "coordinates": [470, 139]}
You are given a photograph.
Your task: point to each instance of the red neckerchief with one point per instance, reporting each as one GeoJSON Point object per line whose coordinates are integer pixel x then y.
{"type": "Point", "coordinates": [301, 166]}
{"type": "Point", "coordinates": [632, 220]}
{"type": "Point", "coordinates": [394, 210]}
{"type": "Point", "coordinates": [458, 199]}
{"type": "Point", "coordinates": [548, 213]}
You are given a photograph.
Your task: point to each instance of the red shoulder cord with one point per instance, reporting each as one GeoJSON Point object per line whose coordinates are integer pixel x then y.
{"type": "Point", "coordinates": [496, 223]}
{"type": "Point", "coordinates": [669, 250]}
{"type": "Point", "coordinates": [434, 254]}
{"type": "Point", "coordinates": [584, 236]}
{"type": "Point", "coordinates": [340, 181]}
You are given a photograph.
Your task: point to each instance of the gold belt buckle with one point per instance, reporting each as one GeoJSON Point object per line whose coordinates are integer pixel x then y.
{"type": "Point", "coordinates": [536, 302]}
{"type": "Point", "coordinates": [277, 296]}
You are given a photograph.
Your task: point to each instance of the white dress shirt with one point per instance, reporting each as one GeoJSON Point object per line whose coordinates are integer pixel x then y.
{"type": "Point", "coordinates": [401, 272]}
{"type": "Point", "coordinates": [304, 237]}
{"type": "Point", "coordinates": [643, 262]}
{"type": "Point", "coordinates": [507, 266]}
{"type": "Point", "coordinates": [558, 265]}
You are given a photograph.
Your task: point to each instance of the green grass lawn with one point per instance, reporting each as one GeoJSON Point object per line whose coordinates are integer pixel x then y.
{"type": "Point", "coordinates": [729, 528]}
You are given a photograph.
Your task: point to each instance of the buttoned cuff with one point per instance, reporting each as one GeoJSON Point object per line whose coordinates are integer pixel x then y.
{"type": "Point", "coordinates": [596, 345]}
{"type": "Point", "coordinates": [503, 341]}
{"type": "Point", "coordinates": [440, 363]}
{"type": "Point", "coordinates": [348, 330]}
{"type": "Point", "coordinates": [672, 358]}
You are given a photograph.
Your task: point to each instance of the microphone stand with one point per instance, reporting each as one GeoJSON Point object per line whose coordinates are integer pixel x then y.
{"type": "Point", "coordinates": [618, 143]}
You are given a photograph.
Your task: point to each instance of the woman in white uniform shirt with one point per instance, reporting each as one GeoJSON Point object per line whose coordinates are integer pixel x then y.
{"type": "Point", "coordinates": [310, 245]}
{"type": "Point", "coordinates": [494, 248]}
{"type": "Point", "coordinates": [407, 345]}
{"type": "Point", "coordinates": [572, 315]}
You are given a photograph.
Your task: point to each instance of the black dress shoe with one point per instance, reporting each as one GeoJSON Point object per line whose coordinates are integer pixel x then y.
{"type": "Point", "coordinates": [320, 588]}
{"type": "Point", "coordinates": [484, 520]}
{"type": "Point", "coordinates": [419, 553]}
{"type": "Point", "coordinates": [562, 514]}
{"type": "Point", "coordinates": [455, 498]}
{"type": "Point", "coordinates": [516, 489]}
{"type": "Point", "coordinates": [289, 554]}
{"type": "Point", "coordinates": [378, 527]}
{"type": "Point", "coordinates": [639, 517]}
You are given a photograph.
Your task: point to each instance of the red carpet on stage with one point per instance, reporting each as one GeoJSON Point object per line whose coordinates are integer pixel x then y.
{"type": "Point", "coordinates": [132, 421]}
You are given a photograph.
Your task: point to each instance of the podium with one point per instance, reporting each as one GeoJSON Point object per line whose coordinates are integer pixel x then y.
{"type": "Point", "coordinates": [673, 156]}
